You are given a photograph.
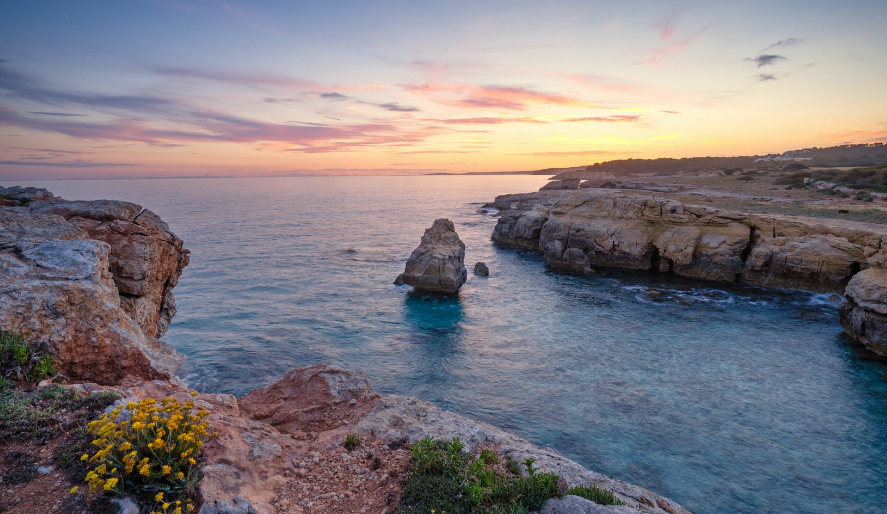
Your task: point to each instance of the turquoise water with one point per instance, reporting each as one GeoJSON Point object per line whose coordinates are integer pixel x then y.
{"type": "Point", "coordinates": [728, 400]}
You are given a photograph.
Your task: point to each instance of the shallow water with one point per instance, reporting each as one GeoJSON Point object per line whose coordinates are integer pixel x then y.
{"type": "Point", "coordinates": [725, 399]}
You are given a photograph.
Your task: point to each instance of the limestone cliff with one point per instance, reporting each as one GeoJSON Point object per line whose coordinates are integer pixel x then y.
{"type": "Point", "coordinates": [593, 228]}
{"type": "Point", "coordinates": [586, 229]}
{"type": "Point", "coordinates": [93, 279]}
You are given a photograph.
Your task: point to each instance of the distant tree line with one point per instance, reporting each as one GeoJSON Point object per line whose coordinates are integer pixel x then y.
{"type": "Point", "coordinates": [870, 154]}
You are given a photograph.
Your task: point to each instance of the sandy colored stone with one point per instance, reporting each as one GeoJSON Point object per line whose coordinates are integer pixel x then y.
{"type": "Point", "coordinates": [437, 265]}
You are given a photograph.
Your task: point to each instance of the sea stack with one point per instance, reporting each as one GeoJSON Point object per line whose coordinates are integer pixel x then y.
{"type": "Point", "coordinates": [437, 265]}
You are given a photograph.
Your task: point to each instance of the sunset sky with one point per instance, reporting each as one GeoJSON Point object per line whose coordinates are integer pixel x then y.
{"type": "Point", "coordinates": [190, 88]}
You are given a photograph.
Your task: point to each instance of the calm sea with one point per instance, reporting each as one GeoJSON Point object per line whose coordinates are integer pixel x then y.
{"type": "Point", "coordinates": [728, 400]}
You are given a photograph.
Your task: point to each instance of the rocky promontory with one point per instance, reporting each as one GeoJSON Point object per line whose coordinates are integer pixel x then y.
{"type": "Point", "coordinates": [93, 281]}
{"type": "Point", "coordinates": [581, 230]}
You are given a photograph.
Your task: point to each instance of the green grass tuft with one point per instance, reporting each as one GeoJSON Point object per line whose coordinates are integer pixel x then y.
{"type": "Point", "coordinates": [595, 494]}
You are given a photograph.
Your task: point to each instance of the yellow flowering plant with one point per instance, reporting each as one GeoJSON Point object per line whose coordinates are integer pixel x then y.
{"type": "Point", "coordinates": [154, 454]}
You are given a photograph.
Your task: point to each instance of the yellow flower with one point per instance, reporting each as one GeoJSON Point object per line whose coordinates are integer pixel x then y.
{"type": "Point", "coordinates": [180, 476]}
{"type": "Point", "coordinates": [192, 461]}
{"type": "Point", "coordinates": [193, 393]}
{"type": "Point", "coordinates": [159, 496]}
{"type": "Point", "coordinates": [73, 490]}
{"type": "Point", "coordinates": [85, 456]}
{"type": "Point", "coordinates": [166, 470]}
{"type": "Point", "coordinates": [165, 506]}
{"type": "Point", "coordinates": [110, 483]}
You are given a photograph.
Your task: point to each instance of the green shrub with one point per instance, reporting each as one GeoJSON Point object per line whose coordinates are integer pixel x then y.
{"type": "Point", "coordinates": [595, 494]}
{"type": "Point", "coordinates": [444, 479]}
{"type": "Point", "coordinates": [793, 179]}
{"type": "Point", "coordinates": [352, 441]}
{"type": "Point", "coordinates": [19, 359]}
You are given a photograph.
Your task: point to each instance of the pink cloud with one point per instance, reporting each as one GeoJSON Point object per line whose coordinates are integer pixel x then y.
{"type": "Point", "coordinates": [618, 118]}
{"type": "Point", "coordinates": [491, 97]}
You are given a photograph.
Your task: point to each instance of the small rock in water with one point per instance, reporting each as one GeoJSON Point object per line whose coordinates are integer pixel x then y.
{"type": "Point", "coordinates": [481, 269]}
{"type": "Point", "coordinates": [835, 299]}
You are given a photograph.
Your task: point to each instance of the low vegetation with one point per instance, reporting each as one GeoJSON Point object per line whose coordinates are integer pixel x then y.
{"type": "Point", "coordinates": [873, 178]}
{"type": "Point", "coordinates": [352, 441]}
{"type": "Point", "coordinates": [151, 451]}
{"type": "Point", "coordinates": [447, 480]}
{"type": "Point", "coordinates": [21, 361]}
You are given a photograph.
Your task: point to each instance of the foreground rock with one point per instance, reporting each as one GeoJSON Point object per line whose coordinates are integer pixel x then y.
{"type": "Point", "coordinates": [437, 265]}
{"type": "Point", "coordinates": [280, 447]}
{"type": "Point", "coordinates": [481, 269]}
{"type": "Point", "coordinates": [92, 279]}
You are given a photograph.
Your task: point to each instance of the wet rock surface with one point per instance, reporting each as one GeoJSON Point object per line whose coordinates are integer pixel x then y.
{"type": "Point", "coordinates": [437, 265]}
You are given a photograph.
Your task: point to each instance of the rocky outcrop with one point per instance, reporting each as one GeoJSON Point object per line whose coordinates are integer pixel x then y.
{"type": "Point", "coordinates": [268, 437]}
{"type": "Point", "coordinates": [437, 265]}
{"type": "Point", "coordinates": [61, 292]}
{"type": "Point", "coordinates": [561, 185]}
{"type": "Point", "coordinates": [864, 311]}
{"type": "Point", "coordinates": [92, 279]}
{"type": "Point", "coordinates": [395, 418]}
{"type": "Point", "coordinates": [146, 257]}
{"type": "Point", "coordinates": [586, 229]}
{"type": "Point", "coordinates": [481, 269]}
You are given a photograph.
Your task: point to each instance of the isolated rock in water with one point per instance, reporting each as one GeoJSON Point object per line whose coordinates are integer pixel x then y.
{"type": "Point", "coordinates": [481, 269]}
{"type": "Point", "coordinates": [438, 264]}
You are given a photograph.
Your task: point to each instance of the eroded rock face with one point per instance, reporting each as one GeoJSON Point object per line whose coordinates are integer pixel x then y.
{"type": "Point", "coordinates": [61, 292]}
{"type": "Point", "coordinates": [864, 311]}
{"type": "Point", "coordinates": [93, 279]}
{"type": "Point", "coordinates": [589, 228]}
{"type": "Point", "coordinates": [146, 258]}
{"type": "Point", "coordinates": [437, 265]}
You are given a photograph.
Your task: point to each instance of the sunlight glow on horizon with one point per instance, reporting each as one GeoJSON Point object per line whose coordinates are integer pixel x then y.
{"type": "Point", "coordinates": [104, 89]}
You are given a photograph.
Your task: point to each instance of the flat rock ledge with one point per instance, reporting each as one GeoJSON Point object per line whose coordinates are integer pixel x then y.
{"type": "Point", "coordinates": [583, 230]}
{"type": "Point", "coordinates": [437, 265]}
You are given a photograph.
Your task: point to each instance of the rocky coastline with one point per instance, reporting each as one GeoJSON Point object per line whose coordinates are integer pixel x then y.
{"type": "Point", "coordinates": [581, 230]}
{"type": "Point", "coordinates": [93, 281]}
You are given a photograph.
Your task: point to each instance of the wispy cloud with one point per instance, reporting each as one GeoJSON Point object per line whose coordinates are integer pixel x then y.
{"type": "Point", "coordinates": [665, 25]}
{"type": "Point", "coordinates": [68, 164]}
{"type": "Point", "coordinates": [766, 59]}
{"type": "Point", "coordinates": [766, 77]}
{"type": "Point", "coordinates": [618, 118]}
{"type": "Point", "coordinates": [61, 114]}
{"type": "Point", "coordinates": [784, 43]}
{"type": "Point", "coordinates": [491, 97]}
{"type": "Point", "coordinates": [671, 47]}
{"type": "Point", "coordinates": [487, 121]}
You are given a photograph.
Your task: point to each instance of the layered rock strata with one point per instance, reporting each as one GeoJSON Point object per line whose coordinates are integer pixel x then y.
{"type": "Point", "coordinates": [864, 311]}
{"type": "Point", "coordinates": [437, 265]}
{"type": "Point", "coordinates": [585, 229]}
{"type": "Point", "coordinates": [593, 228]}
{"type": "Point", "coordinates": [92, 279]}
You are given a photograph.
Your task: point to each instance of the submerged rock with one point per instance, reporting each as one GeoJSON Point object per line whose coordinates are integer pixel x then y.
{"type": "Point", "coordinates": [437, 265]}
{"type": "Point", "coordinates": [481, 269]}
